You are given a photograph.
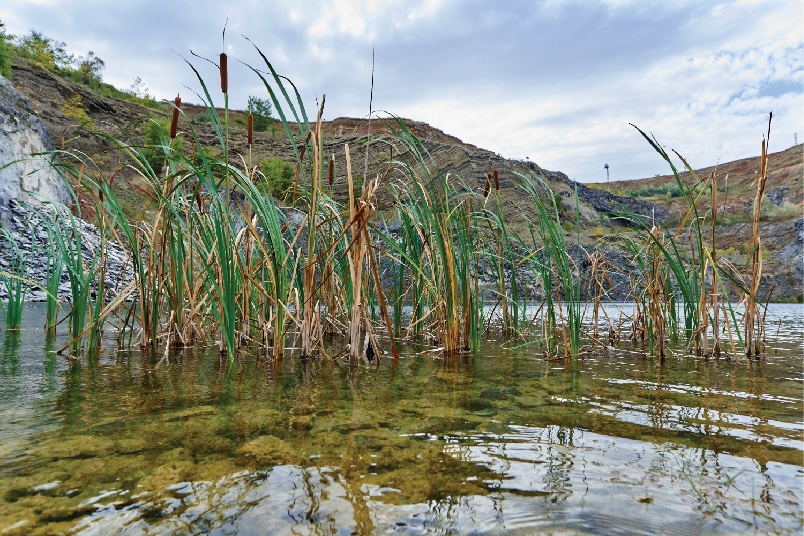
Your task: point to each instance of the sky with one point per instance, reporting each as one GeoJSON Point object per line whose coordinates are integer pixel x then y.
{"type": "Point", "coordinates": [554, 81]}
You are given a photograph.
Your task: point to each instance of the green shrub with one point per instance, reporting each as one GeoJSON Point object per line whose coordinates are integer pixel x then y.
{"type": "Point", "coordinates": [203, 117]}
{"type": "Point", "coordinates": [88, 71]}
{"type": "Point", "coordinates": [74, 109]}
{"type": "Point", "coordinates": [156, 138]}
{"type": "Point", "coordinates": [669, 190]}
{"type": "Point", "coordinates": [278, 177]}
{"type": "Point", "coordinates": [44, 51]}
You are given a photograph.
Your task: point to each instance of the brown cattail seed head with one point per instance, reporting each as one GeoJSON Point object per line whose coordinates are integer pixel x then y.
{"type": "Point", "coordinates": [250, 128]}
{"type": "Point", "coordinates": [486, 188]}
{"type": "Point", "coordinates": [224, 73]}
{"type": "Point", "coordinates": [331, 176]}
{"type": "Point", "coordinates": [304, 147]}
{"type": "Point", "coordinates": [199, 202]}
{"type": "Point", "coordinates": [174, 120]}
{"type": "Point", "coordinates": [496, 180]}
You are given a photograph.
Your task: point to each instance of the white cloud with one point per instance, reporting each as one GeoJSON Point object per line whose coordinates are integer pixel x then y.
{"type": "Point", "coordinates": [556, 80]}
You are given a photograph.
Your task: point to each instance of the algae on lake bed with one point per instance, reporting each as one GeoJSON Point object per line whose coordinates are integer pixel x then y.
{"type": "Point", "coordinates": [492, 442]}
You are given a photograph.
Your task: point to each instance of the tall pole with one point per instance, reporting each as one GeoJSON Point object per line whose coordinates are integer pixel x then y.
{"type": "Point", "coordinates": [607, 171]}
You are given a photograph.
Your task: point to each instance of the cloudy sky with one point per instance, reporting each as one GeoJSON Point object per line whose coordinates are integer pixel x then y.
{"type": "Point", "coordinates": [556, 81]}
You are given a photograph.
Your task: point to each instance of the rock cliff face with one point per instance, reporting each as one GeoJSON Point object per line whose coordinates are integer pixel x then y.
{"type": "Point", "coordinates": [31, 192]}
{"type": "Point", "coordinates": [25, 174]}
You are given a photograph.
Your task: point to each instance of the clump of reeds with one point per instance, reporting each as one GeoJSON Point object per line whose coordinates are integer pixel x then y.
{"type": "Point", "coordinates": [437, 249]}
{"type": "Point", "coordinates": [557, 264]}
{"type": "Point", "coordinates": [362, 341]}
{"type": "Point", "coordinates": [13, 281]}
{"type": "Point", "coordinates": [753, 340]}
{"type": "Point", "coordinates": [210, 266]}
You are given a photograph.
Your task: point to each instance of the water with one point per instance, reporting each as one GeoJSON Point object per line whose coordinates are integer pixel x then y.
{"type": "Point", "coordinates": [501, 442]}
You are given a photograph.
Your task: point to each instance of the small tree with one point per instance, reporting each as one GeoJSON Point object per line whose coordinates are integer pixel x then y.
{"type": "Point", "coordinates": [138, 89]}
{"type": "Point", "coordinates": [45, 51]}
{"type": "Point", "coordinates": [5, 53]}
{"type": "Point", "coordinates": [262, 109]}
{"type": "Point", "coordinates": [89, 69]}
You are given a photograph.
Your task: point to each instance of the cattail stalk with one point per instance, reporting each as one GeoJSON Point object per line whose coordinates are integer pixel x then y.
{"type": "Point", "coordinates": [224, 73]}
{"type": "Point", "coordinates": [331, 175]}
{"type": "Point", "coordinates": [174, 120]}
{"type": "Point", "coordinates": [250, 128]}
{"type": "Point", "coordinates": [496, 175]}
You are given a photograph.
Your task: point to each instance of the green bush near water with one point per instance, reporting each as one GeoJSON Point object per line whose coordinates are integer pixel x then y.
{"type": "Point", "coordinates": [277, 178]}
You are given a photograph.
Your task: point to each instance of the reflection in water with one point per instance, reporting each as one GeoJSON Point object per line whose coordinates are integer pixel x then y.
{"type": "Point", "coordinates": [502, 441]}
{"type": "Point", "coordinates": [10, 361]}
{"type": "Point", "coordinates": [49, 381]}
{"type": "Point", "coordinates": [542, 484]}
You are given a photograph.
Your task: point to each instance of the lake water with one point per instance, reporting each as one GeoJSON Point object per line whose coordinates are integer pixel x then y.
{"type": "Point", "coordinates": [502, 442]}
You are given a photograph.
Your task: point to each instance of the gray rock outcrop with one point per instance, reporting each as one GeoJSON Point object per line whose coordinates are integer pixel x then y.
{"type": "Point", "coordinates": [617, 205]}
{"type": "Point", "coordinates": [26, 250]}
{"type": "Point", "coordinates": [26, 175]}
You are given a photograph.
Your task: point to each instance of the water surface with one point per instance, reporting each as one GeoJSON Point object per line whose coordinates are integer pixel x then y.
{"type": "Point", "coordinates": [504, 441]}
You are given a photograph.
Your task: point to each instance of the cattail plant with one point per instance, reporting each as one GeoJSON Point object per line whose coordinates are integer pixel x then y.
{"type": "Point", "coordinates": [174, 120]}
{"type": "Point", "coordinates": [224, 72]}
{"type": "Point", "coordinates": [361, 337]}
{"type": "Point", "coordinates": [14, 284]}
{"type": "Point", "coordinates": [211, 266]}
{"type": "Point", "coordinates": [753, 342]}
{"type": "Point", "coordinates": [311, 320]}
{"type": "Point", "coordinates": [557, 255]}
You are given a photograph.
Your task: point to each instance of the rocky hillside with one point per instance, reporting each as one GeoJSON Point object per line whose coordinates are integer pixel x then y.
{"type": "Point", "coordinates": [783, 232]}
{"type": "Point", "coordinates": [782, 227]}
{"type": "Point", "coordinates": [49, 94]}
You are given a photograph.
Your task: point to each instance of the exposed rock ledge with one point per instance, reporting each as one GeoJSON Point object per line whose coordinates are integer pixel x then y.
{"type": "Point", "coordinates": [31, 194]}
{"type": "Point", "coordinates": [26, 173]}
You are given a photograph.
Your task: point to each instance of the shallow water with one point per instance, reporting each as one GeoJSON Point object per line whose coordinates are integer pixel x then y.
{"type": "Point", "coordinates": [500, 442]}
